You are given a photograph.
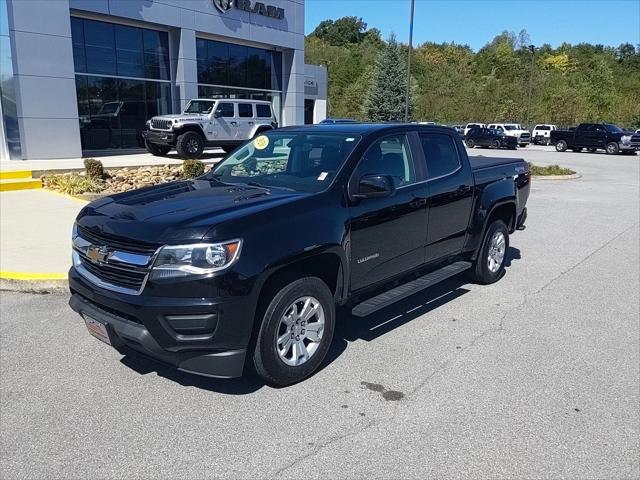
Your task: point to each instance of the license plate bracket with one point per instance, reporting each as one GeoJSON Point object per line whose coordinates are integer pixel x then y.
{"type": "Point", "coordinates": [97, 329]}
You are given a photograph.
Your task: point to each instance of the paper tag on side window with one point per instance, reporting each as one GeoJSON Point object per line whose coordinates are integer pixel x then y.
{"type": "Point", "coordinates": [322, 176]}
{"type": "Point", "coordinates": [261, 142]}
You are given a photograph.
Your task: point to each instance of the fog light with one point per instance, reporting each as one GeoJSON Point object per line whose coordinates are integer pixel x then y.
{"type": "Point", "coordinates": [193, 324]}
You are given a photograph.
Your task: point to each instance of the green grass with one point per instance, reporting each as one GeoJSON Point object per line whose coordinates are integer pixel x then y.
{"type": "Point", "coordinates": [72, 184]}
{"type": "Point", "coordinates": [537, 170]}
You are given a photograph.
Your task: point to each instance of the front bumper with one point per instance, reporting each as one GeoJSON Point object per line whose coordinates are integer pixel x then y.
{"type": "Point", "coordinates": [205, 336]}
{"type": "Point", "coordinates": [628, 147]}
{"type": "Point", "coordinates": [160, 138]}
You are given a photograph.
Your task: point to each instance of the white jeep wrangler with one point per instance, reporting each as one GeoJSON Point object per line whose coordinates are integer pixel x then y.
{"type": "Point", "coordinates": [224, 123]}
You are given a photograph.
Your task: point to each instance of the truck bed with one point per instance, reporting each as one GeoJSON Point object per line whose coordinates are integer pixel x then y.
{"type": "Point", "coordinates": [481, 162]}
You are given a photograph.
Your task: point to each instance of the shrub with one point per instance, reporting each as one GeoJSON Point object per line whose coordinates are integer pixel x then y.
{"type": "Point", "coordinates": [93, 168]}
{"type": "Point", "coordinates": [192, 168]}
{"type": "Point", "coordinates": [72, 184]}
{"type": "Point", "coordinates": [537, 170]}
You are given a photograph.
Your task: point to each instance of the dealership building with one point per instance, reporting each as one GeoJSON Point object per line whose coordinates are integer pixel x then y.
{"type": "Point", "coordinates": [80, 77]}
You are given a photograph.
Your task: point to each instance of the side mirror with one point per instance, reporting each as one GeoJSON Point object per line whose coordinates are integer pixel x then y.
{"type": "Point", "coordinates": [217, 114]}
{"type": "Point", "coordinates": [375, 186]}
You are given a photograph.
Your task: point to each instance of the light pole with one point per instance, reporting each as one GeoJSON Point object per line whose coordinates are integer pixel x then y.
{"type": "Point", "coordinates": [406, 101]}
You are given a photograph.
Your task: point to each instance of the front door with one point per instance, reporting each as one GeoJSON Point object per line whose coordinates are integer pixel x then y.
{"type": "Point", "coordinates": [450, 184]}
{"type": "Point", "coordinates": [226, 127]}
{"type": "Point", "coordinates": [388, 234]}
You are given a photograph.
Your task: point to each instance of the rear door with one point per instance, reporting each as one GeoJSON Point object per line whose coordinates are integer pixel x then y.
{"type": "Point", "coordinates": [245, 120]}
{"type": "Point", "coordinates": [450, 183]}
{"type": "Point", "coordinates": [388, 234]}
{"type": "Point", "coordinates": [226, 128]}
{"type": "Point", "coordinates": [585, 136]}
{"type": "Point", "coordinates": [484, 137]}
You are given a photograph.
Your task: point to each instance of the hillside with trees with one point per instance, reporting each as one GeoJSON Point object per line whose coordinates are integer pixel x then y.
{"type": "Point", "coordinates": [503, 81]}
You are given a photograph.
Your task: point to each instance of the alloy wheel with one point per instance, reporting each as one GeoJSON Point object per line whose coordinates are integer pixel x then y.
{"type": "Point", "coordinates": [300, 331]}
{"type": "Point", "coordinates": [495, 256]}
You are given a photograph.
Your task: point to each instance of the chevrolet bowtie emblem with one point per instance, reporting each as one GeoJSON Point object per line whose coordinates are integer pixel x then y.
{"type": "Point", "coordinates": [97, 254]}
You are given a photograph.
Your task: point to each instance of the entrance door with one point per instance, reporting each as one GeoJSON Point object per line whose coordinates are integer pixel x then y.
{"type": "Point", "coordinates": [309, 106]}
{"type": "Point", "coordinates": [388, 234]}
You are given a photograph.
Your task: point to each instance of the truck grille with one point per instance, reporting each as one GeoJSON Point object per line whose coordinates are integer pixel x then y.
{"type": "Point", "coordinates": [525, 136]}
{"type": "Point", "coordinates": [160, 124]}
{"type": "Point", "coordinates": [635, 140]}
{"type": "Point", "coordinates": [123, 266]}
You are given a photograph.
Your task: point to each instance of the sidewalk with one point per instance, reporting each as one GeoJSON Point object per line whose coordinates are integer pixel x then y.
{"type": "Point", "coordinates": [35, 234]}
{"type": "Point", "coordinates": [109, 161]}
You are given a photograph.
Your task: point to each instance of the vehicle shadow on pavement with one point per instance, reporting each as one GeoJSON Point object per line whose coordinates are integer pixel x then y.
{"type": "Point", "coordinates": [348, 329]}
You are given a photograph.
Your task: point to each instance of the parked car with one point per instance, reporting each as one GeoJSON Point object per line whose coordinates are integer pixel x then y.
{"type": "Point", "coordinates": [490, 137]}
{"type": "Point", "coordinates": [513, 130]}
{"type": "Point", "coordinates": [337, 120]}
{"type": "Point", "coordinates": [472, 125]}
{"type": "Point", "coordinates": [459, 129]}
{"type": "Point", "coordinates": [595, 136]}
{"type": "Point", "coordinates": [208, 123]}
{"type": "Point", "coordinates": [542, 134]}
{"type": "Point", "coordinates": [247, 264]}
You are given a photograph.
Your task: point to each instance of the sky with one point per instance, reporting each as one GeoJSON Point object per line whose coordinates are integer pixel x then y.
{"type": "Point", "coordinates": [476, 22]}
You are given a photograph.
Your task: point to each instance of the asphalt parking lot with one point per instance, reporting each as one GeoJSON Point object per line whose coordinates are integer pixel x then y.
{"type": "Point", "coordinates": [537, 376]}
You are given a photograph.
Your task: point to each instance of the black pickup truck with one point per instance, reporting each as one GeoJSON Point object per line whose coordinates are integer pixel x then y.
{"type": "Point", "coordinates": [245, 266]}
{"type": "Point", "coordinates": [594, 136]}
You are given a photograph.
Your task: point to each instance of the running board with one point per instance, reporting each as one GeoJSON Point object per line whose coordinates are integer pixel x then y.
{"type": "Point", "coordinates": [407, 289]}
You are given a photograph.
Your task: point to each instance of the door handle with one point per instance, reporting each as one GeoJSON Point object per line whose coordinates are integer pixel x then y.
{"type": "Point", "coordinates": [233, 123]}
{"type": "Point", "coordinates": [463, 189]}
{"type": "Point", "coordinates": [250, 123]}
{"type": "Point", "coordinates": [417, 202]}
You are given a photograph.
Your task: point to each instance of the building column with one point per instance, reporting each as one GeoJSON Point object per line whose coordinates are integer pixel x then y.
{"type": "Point", "coordinates": [44, 76]}
{"type": "Point", "coordinates": [293, 106]}
{"type": "Point", "coordinates": [186, 68]}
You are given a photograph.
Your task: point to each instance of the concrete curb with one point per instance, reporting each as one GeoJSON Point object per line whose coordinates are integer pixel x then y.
{"type": "Point", "coordinates": [557, 177]}
{"type": "Point", "coordinates": [34, 286]}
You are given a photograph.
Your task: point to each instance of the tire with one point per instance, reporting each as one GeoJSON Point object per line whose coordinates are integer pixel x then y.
{"type": "Point", "coordinates": [577, 149]}
{"type": "Point", "coordinates": [485, 271]}
{"type": "Point", "coordinates": [279, 369]}
{"type": "Point", "coordinates": [157, 150]}
{"type": "Point", "coordinates": [561, 145]}
{"type": "Point", "coordinates": [470, 143]}
{"type": "Point", "coordinates": [190, 145]}
{"type": "Point", "coordinates": [497, 144]}
{"type": "Point", "coordinates": [612, 148]}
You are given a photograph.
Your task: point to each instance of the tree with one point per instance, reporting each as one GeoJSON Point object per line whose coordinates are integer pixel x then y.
{"type": "Point", "coordinates": [341, 32]}
{"type": "Point", "coordinates": [387, 93]}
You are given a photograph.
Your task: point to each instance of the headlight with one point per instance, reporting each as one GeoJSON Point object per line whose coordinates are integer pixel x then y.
{"type": "Point", "coordinates": [74, 231]}
{"type": "Point", "coordinates": [148, 123]}
{"type": "Point", "coordinates": [625, 138]}
{"type": "Point", "coordinates": [178, 261]}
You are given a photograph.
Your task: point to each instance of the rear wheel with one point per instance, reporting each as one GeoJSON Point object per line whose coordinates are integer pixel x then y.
{"type": "Point", "coordinates": [561, 146]}
{"type": "Point", "coordinates": [612, 148]}
{"type": "Point", "coordinates": [496, 144]}
{"type": "Point", "coordinates": [190, 145]}
{"type": "Point", "coordinates": [470, 143]}
{"type": "Point", "coordinates": [489, 265]}
{"type": "Point", "coordinates": [296, 332]}
{"type": "Point", "coordinates": [157, 150]}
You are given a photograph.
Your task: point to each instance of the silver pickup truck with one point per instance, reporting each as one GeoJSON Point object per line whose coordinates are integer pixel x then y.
{"type": "Point", "coordinates": [224, 123]}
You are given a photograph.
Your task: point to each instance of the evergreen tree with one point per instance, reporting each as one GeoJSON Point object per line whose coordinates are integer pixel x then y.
{"type": "Point", "coordinates": [385, 101]}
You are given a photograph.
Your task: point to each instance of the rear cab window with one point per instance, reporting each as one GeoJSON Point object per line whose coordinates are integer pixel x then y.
{"type": "Point", "coordinates": [440, 153]}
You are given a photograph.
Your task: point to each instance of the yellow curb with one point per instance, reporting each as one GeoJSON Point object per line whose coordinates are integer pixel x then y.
{"type": "Point", "coordinates": [16, 184]}
{"type": "Point", "coordinates": [12, 174]}
{"type": "Point", "coordinates": [70, 197]}
{"type": "Point", "coordinates": [32, 276]}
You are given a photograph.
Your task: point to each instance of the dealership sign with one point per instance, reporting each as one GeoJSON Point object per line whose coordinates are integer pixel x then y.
{"type": "Point", "coordinates": [251, 7]}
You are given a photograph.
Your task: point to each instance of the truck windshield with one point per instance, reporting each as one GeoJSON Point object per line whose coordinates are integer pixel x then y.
{"type": "Point", "coordinates": [510, 127]}
{"type": "Point", "coordinates": [298, 161]}
{"type": "Point", "coordinates": [199, 106]}
{"type": "Point", "coordinates": [613, 128]}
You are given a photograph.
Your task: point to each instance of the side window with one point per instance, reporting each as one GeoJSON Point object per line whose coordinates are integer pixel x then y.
{"type": "Point", "coordinates": [263, 111]}
{"type": "Point", "coordinates": [389, 156]}
{"type": "Point", "coordinates": [245, 110]}
{"type": "Point", "coordinates": [226, 110]}
{"type": "Point", "coordinates": [441, 154]}
{"type": "Point", "coordinates": [501, 129]}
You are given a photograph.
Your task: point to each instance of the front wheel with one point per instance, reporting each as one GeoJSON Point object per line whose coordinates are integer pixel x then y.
{"type": "Point", "coordinates": [612, 148]}
{"type": "Point", "coordinates": [496, 144]}
{"type": "Point", "coordinates": [157, 150]}
{"type": "Point", "coordinates": [296, 332]}
{"type": "Point", "coordinates": [470, 143]}
{"type": "Point", "coordinates": [190, 145]}
{"type": "Point", "coordinates": [489, 264]}
{"type": "Point", "coordinates": [561, 146]}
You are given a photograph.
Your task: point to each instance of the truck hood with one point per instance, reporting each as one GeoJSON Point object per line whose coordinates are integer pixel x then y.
{"type": "Point", "coordinates": [183, 116]}
{"type": "Point", "coordinates": [177, 212]}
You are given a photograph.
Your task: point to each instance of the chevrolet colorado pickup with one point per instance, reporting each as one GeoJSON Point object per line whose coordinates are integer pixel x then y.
{"type": "Point", "coordinates": [594, 136]}
{"type": "Point", "coordinates": [246, 265]}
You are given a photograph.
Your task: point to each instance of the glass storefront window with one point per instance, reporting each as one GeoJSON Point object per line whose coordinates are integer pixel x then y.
{"type": "Point", "coordinates": [113, 111]}
{"type": "Point", "coordinates": [104, 48]}
{"type": "Point", "coordinates": [9, 128]}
